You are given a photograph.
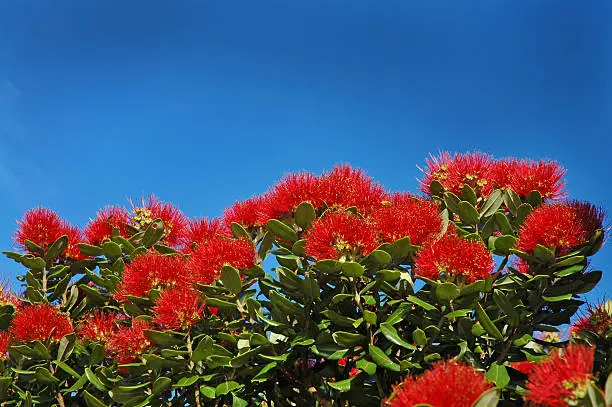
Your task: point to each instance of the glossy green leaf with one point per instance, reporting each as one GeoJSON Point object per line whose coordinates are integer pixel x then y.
{"type": "Point", "coordinates": [400, 248]}
{"type": "Point", "coordinates": [544, 254]}
{"type": "Point", "coordinates": [487, 324]}
{"type": "Point", "coordinates": [498, 374]}
{"type": "Point", "coordinates": [239, 231]}
{"type": "Point", "coordinates": [265, 372]}
{"type": "Point", "coordinates": [393, 336]}
{"type": "Point", "coordinates": [93, 379]}
{"type": "Point", "coordinates": [92, 401]}
{"type": "Point", "coordinates": [381, 359]}
{"type": "Point", "coordinates": [608, 390]}
{"type": "Point", "coordinates": [57, 248]}
{"type": "Point", "coordinates": [226, 387]}
{"type": "Point", "coordinates": [348, 339]}
{"type": "Point", "coordinates": [352, 269]}
{"type": "Point", "coordinates": [366, 366]}
{"type": "Point", "coordinates": [419, 337]}
{"type": "Point", "coordinates": [208, 392]}
{"type": "Point", "coordinates": [452, 202]}
{"type": "Point", "coordinates": [282, 230]}
{"type": "Point", "coordinates": [230, 277]}
{"type": "Point", "coordinates": [343, 385]}
{"type": "Point", "coordinates": [111, 249]}
{"type": "Point", "coordinates": [186, 381]}
{"type": "Point", "coordinates": [43, 375]}
{"type": "Point", "coordinates": [489, 398]}
{"type": "Point", "coordinates": [420, 303]}
{"type": "Point", "coordinates": [491, 204]}
{"type": "Point", "coordinates": [163, 338]}
{"type": "Point", "coordinates": [447, 291]}
{"type": "Point", "coordinates": [468, 213]}
{"type": "Point", "coordinates": [305, 214]}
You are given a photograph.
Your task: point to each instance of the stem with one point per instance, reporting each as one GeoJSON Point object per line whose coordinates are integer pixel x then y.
{"type": "Point", "coordinates": [60, 400]}
{"type": "Point", "coordinates": [501, 267]}
{"type": "Point", "coordinates": [191, 366]}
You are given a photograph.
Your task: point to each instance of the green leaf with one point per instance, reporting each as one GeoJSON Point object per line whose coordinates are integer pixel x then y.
{"type": "Point", "coordinates": [544, 254]}
{"type": "Point", "coordinates": [343, 385]}
{"type": "Point", "coordinates": [595, 398]}
{"type": "Point", "coordinates": [44, 376]}
{"type": "Point", "coordinates": [265, 372]}
{"type": "Point", "coordinates": [388, 275]}
{"type": "Point", "coordinates": [393, 336]}
{"type": "Point", "coordinates": [153, 233]}
{"type": "Point", "coordinates": [504, 304]}
{"type": "Point", "coordinates": [217, 303]}
{"type": "Point", "coordinates": [419, 337]}
{"type": "Point", "coordinates": [111, 249]}
{"type": "Point", "coordinates": [534, 198]}
{"type": "Point", "coordinates": [162, 338]}
{"type": "Point", "coordinates": [282, 230]}
{"type": "Point", "coordinates": [299, 248]}
{"type": "Point", "coordinates": [512, 201]}
{"type": "Point", "coordinates": [447, 291]}
{"type": "Point", "coordinates": [503, 224]}
{"type": "Point", "coordinates": [57, 248]}
{"type": "Point", "coordinates": [489, 398]}
{"type": "Point", "coordinates": [499, 375]}
{"type": "Point", "coordinates": [66, 346]}
{"type": "Point", "coordinates": [239, 231]}
{"type": "Point", "coordinates": [378, 258]}
{"type": "Point", "coordinates": [186, 381]}
{"type": "Point", "coordinates": [238, 402]}
{"type": "Point", "coordinates": [208, 392]}
{"type": "Point", "coordinates": [557, 298]}
{"type": "Point", "coordinates": [67, 369]}
{"type": "Point", "coordinates": [468, 194]}
{"type": "Point", "coordinates": [420, 303]}
{"type": "Point", "coordinates": [458, 313]}
{"type": "Point", "coordinates": [436, 188]}
{"type": "Point", "coordinates": [305, 214]}
{"type": "Point", "coordinates": [93, 379]}
{"type": "Point", "coordinates": [348, 339]}
{"type": "Point", "coordinates": [91, 401]}
{"type": "Point", "coordinates": [369, 317]}
{"type": "Point", "coordinates": [608, 390]}
{"type": "Point", "coordinates": [487, 324]}
{"type": "Point", "coordinates": [491, 204]}
{"type": "Point", "coordinates": [452, 202]}
{"type": "Point", "coordinates": [522, 212]}
{"type": "Point", "coordinates": [468, 213]}
{"type": "Point", "coordinates": [504, 243]}
{"type": "Point", "coordinates": [226, 387]}
{"type": "Point", "coordinates": [33, 263]}
{"type": "Point", "coordinates": [366, 366]}
{"type": "Point", "coordinates": [400, 249]}
{"type": "Point", "coordinates": [590, 280]}
{"type": "Point", "coordinates": [352, 269]}
{"type": "Point", "coordinates": [230, 277]}
{"type": "Point", "coordinates": [381, 359]}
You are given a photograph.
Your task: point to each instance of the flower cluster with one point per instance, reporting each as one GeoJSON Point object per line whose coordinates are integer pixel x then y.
{"type": "Point", "coordinates": [596, 319]}
{"type": "Point", "coordinates": [40, 322]}
{"type": "Point", "coordinates": [128, 343]}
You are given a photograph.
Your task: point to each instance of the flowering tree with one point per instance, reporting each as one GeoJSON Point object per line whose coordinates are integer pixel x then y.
{"type": "Point", "coordinates": [452, 298]}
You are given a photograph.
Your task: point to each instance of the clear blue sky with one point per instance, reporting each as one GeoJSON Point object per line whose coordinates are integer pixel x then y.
{"type": "Point", "coordinates": [205, 102]}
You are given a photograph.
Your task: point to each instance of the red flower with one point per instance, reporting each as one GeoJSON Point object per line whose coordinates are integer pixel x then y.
{"type": "Point", "coordinates": [5, 341]}
{"type": "Point", "coordinates": [546, 177]}
{"type": "Point", "coordinates": [597, 319]}
{"type": "Point", "coordinates": [447, 384]}
{"type": "Point", "coordinates": [559, 227]}
{"type": "Point", "coordinates": [201, 230]}
{"type": "Point", "coordinates": [410, 216]}
{"type": "Point", "coordinates": [524, 366]}
{"type": "Point", "coordinates": [353, 372]}
{"type": "Point", "coordinates": [129, 342]}
{"type": "Point", "coordinates": [101, 228]}
{"type": "Point", "coordinates": [175, 223]}
{"type": "Point", "coordinates": [40, 322]}
{"type": "Point", "coordinates": [209, 257]}
{"type": "Point", "coordinates": [41, 226]}
{"type": "Point", "coordinates": [562, 379]}
{"type": "Point", "coordinates": [455, 258]}
{"type": "Point", "coordinates": [178, 308]}
{"type": "Point", "coordinates": [248, 213]}
{"type": "Point", "coordinates": [75, 236]}
{"type": "Point", "coordinates": [344, 187]}
{"type": "Point", "coordinates": [98, 327]}
{"type": "Point", "coordinates": [340, 235]}
{"type": "Point", "coordinates": [289, 192]}
{"type": "Point", "coordinates": [148, 271]}
{"type": "Point", "coordinates": [453, 172]}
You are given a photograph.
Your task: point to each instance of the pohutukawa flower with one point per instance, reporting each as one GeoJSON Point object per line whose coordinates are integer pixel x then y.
{"type": "Point", "coordinates": [178, 308]}
{"type": "Point", "coordinates": [289, 192]}
{"type": "Point", "coordinates": [344, 187]}
{"type": "Point", "coordinates": [210, 256]}
{"type": "Point", "coordinates": [597, 319]}
{"type": "Point", "coordinates": [546, 177]}
{"type": "Point", "coordinates": [341, 235]}
{"type": "Point", "coordinates": [453, 172]}
{"type": "Point", "coordinates": [101, 228]}
{"type": "Point", "coordinates": [175, 222]}
{"type": "Point", "coordinates": [202, 230]}
{"type": "Point", "coordinates": [40, 322]}
{"type": "Point", "coordinates": [75, 236]}
{"type": "Point", "coordinates": [149, 271]}
{"type": "Point", "coordinates": [560, 227]}
{"type": "Point", "coordinates": [5, 341]}
{"type": "Point", "coordinates": [447, 384]}
{"type": "Point", "coordinates": [39, 225]}
{"type": "Point", "coordinates": [248, 213]}
{"type": "Point", "coordinates": [562, 379]}
{"type": "Point", "coordinates": [454, 258]}
{"type": "Point", "coordinates": [524, 366]}
{"type": "Point", "coordinates": [406, 215]}
{"type": "Point", "coordinates": [98, 326]}
{"type": "Point", "coordinates": [128, 343]}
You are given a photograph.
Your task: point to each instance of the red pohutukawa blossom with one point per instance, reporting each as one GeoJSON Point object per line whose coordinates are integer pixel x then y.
{"type": "Point", "coordinates": [178, 308]}
{"type": "Point", "coordinates": [353, 372]}
{"type": "Point", "coordinates": [452, 257]}
{"type": "Point", "coordinates": [289, 192]}
{"type": "Point", "coordinates": [248, 213]}
{"type": "Point", "coordinates": [129, 342]}
{"type": "Point", "coordinates": [210, 256]}
{"type": "Point", "coordinates": [524, 366]}
{"type": "Point", "coordinates": [407, 215]}
{"type": "Point", "coordinates": [345, 186]}
{"type": "Point", "coordinates": [597, 319]}
{"type": "Point", "coordinates": [40, 322]}
{"type": "Point", "coordinates": [5, 341]}
{"type": "Point", "coordinates": [447, 384]}
{"type": "Point", "coordinates": [175, 222]}
{"type": "Point", "coordinates": [148, 271]}
{"type": "Point", "coordinates": [98, 326]}
{"type": "Point", "coordinates": [101, 228]}
{"type": "Point", "coordinates": [559, 227]}
{"type": "Point", "coordinates": [546, 177]}
{"type": "Point", "coordinates": [75, 236]}
{"type": "Point", "coordinates": [453, 172]}
{"type": "Point", "coordinates": [202, 230]}
{"type": "Point", "coordinates": [341, 235]}
{"type": "Point", "coordinates": [562, 379]}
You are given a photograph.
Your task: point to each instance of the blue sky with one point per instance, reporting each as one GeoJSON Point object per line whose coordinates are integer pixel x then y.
{"type": "Point", "coordinates": [206, 102]}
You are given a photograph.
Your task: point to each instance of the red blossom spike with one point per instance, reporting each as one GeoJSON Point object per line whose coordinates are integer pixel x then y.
{"type": "Point", "coordinates": [345, 186]}
{"type": "Point", "coordinates": [453, 172]}
{"type": "Point", "coordinates": [149, 271]}
{"type": "Point", "coordinates": [340, 235]}
{"type": "Point", "coordinates": [128, 343]}
{"type": "Point", "coordinates": [75, 236]}
{"type": "Point", "coordinates": [289, 192]}
{"type": "Point", "coordinates": [101, 228]}
{"type": "Point", "coordinates": [447, 384]}
{"type": "Point", "coordinates": [41, 226]}
{"type": "Point", "coordinates": [406, 215]}
{"type": "Point", "coordinates": [175, 222]}
{"type": "Point", "coordinates": [40, 322]}
{"type": "Point", "coordinates": [562, 379]}
{"type": "Point", "coordinates": [524, 366]}
{"type": "Point", "coordinates": [209, 257]}
{"type": "Point", "coordinates": [597, 319]}
{"type": "Point", "coordinates": [546, 177]}
{"type": "Point", "coordinates": [202, 230]}
{"type": "Point", "coordinates": [248, 213]}
{"type": "Point", "coordinates": [178, 308]}
{"type": "Point", "coordinates": [5, 341]}
{"type": "Point", "coordinates": [560, 227]}
{"type": "Point", "coordinates": [98, 326]}
{"type": "Point", "coordinates": [455, 258]}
